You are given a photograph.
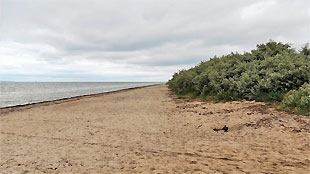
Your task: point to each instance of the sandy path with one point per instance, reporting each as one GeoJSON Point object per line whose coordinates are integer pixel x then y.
{"type": "Point", "coordinates": [147, 130]}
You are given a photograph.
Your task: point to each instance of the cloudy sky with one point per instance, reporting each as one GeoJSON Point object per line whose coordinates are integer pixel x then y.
{"type": "Point", "coordinates": [136, 40]}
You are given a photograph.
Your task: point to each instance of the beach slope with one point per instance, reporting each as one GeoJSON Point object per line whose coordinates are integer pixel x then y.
{"type": "Point", "coordinates": [148, 130]}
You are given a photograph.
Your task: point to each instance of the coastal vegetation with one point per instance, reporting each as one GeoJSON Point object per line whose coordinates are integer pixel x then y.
{"type": "Point", "coordinates": [298, 101]}
{"type": "Point", "coordinates": [272, 72]}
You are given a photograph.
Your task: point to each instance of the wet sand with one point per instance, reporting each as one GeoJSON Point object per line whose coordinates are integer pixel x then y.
{"type": "Point", "coordinates": [148, 130]}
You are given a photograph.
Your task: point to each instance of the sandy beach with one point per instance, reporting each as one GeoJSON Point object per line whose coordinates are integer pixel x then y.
{"type": "Point", "coordinates": [149, 130]}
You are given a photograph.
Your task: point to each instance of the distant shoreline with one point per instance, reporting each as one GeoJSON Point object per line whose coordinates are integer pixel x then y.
{"type": "Point", "coordinates": [19, 107]}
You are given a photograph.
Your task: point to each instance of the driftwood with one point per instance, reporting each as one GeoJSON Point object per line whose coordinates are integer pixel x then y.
{"type": "Point", "coordinates": [225, 129]}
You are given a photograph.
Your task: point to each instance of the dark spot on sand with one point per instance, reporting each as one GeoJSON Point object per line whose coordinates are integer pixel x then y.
{"type": "Point", "coordinates": [225, 129]}
{"type": "Point", "coordinates": [193, 162]}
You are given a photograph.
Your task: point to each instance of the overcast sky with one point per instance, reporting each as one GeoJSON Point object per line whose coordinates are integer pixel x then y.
{"type": "Point", "coordinates": [136, 40]}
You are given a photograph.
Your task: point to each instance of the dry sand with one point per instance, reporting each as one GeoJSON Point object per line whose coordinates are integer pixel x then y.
{"type": "Point", "coordinates": [148, 130]}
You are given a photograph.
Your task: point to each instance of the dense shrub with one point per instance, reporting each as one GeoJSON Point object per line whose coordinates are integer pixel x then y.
{"type": "Point", "coordinates": [266, 73]}
{"type": "Point", "coordinates": [298, 100]}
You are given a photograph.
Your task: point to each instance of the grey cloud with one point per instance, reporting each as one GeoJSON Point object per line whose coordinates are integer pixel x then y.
{"type": "Point", "coordinates": [142, 34]}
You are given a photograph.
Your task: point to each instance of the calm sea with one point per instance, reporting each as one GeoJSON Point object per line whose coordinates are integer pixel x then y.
{"type": "Point", "coordinates": [18, 93]}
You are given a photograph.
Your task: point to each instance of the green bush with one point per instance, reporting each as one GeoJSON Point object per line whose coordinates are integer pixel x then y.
{"type": "Point", "coordinates": [265, 73]}
{"type": "Point", "coordinates": [298, 101]}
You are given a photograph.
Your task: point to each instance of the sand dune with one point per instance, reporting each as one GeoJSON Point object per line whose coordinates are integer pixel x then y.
{"type": "Point", "coordinates": [148, 130]}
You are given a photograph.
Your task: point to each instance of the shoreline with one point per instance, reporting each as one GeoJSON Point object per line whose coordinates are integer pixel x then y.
{"type": "Point", "coordinates": [149, 130]}
{"type": "Point", "coordinates": [8, 109]}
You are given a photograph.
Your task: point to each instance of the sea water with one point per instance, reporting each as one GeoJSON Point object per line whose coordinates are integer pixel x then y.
{"type": "Point", "coordinates": [20, 93]}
